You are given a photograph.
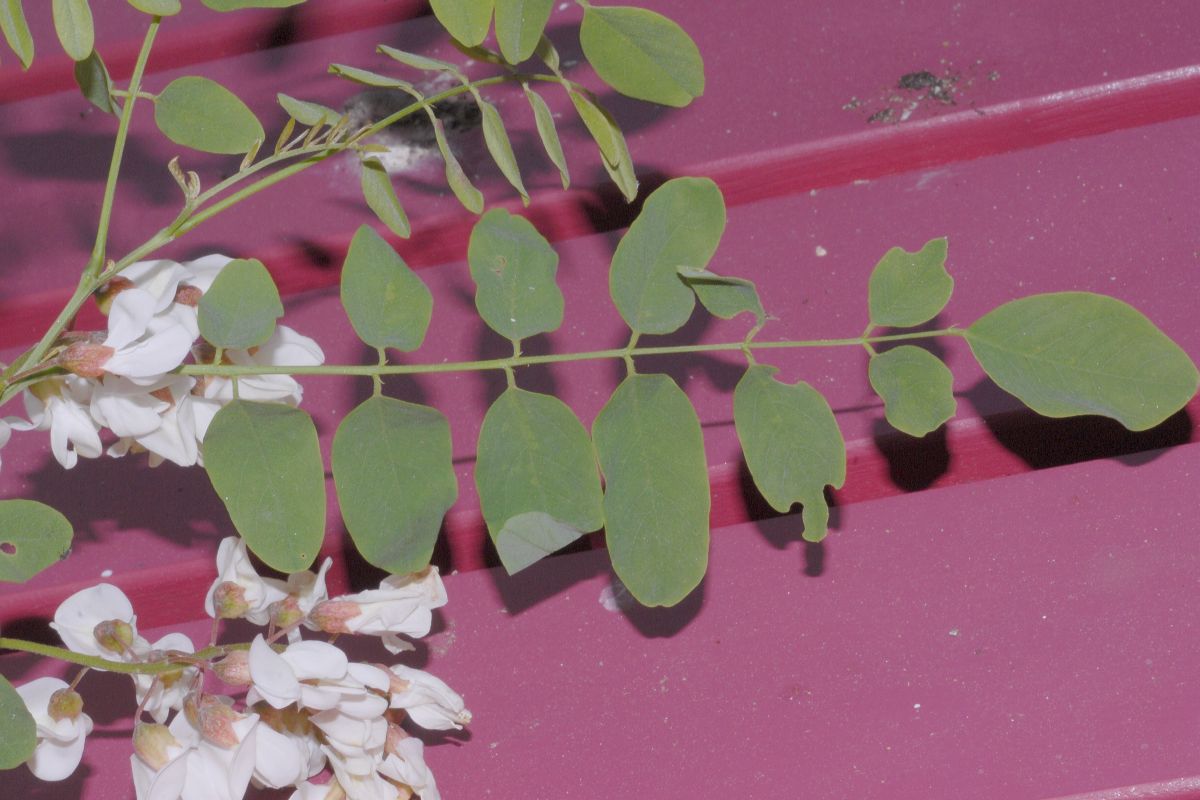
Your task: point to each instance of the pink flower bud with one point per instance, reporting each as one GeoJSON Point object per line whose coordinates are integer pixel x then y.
{"type": "Point", "coordinates": [114, 635]}
{"type": "Point", "coordinates": [214, 719]}
{"type": "Point", "coordinates": [86, 359]}
{"type": "Point", "coordinates": [286, 612]}
{"type": "Point", "coordinates": [331, 615]}
{"type": "Point", "coordinates": [234, 669]}
{"type": "Point", "coordinates": [150, 742]}
{"type": "Point", "coordinates": [229, 601]}
{"type": "Point", "coordinates": [188, 295]}
{"type": "Point", "coordinates": [65, 704]}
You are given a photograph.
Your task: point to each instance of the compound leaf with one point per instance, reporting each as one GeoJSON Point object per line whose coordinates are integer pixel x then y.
{"type": "Point", "coordinates": [93, 80]}
{"type": "Point", "coordinates": [916, 387]}
{"type": "Point", "coordinates": [388, 305]}
{"type": "Point", "coordinates": [514, 267]}
{"type": "Point", "coordinates": [656, 498]}
{"type": "Point", "coordinates": [496, 139]}
{"type": "Point", "coordinates": [519, 26]}
{"type": "Point", "coordinates": [394, 474]}
{"type": "Point", "coordinates": [548, 133]}
{"type": "Point", "coordinates": [381, 197]}
{"type": "Point", "coordinates": [73, 24]}
{"type": "Point", "coordinates": [202, 114]}
{"type": "Point", "coordinates": [265, 464]}
{"type": "Point", "coordinates": [465, 20]}
{"type": "Point", "coordinates": [614, 151]}
{"type": "Point", "coordinates": [536, 474]}
{"type": "Point", "coordinates": [680, 225]}
{"type": "Point", "coordinates": [1070, 353]}
{"type": "Point", "coordinates": [306, 112]}
{"type": "Point", "coordinates": [240, 308]}
{"type": "Point", "coordinates": [792, 444]}
{"type": "Point", "coordinates": [723, 296]}
{"type": "Point", "coordinates": [642, 54]}
{"type": "Point", "coordinates": [16, 30]}
{"type": "Point", "coordinates": [907, 289]}
{"type": "Point", "coordinates": [33, 536]}
{"type": "Point", "coordinates": [17, 726]}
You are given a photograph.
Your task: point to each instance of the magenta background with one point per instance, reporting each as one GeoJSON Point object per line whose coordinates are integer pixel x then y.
{"type": "Point", "coordinates": [1074, 169]}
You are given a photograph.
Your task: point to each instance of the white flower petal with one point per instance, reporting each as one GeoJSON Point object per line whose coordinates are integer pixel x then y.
{"type": "Point", "coordinates": [273, 677]}
{"type": "Point", "coordinates": [78, 615]}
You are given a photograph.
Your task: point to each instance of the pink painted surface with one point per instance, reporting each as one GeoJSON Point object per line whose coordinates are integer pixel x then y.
{"type": "Point", "coordinates": [1031, 636]}
{"type": "Point", "coordinates": [1067, 162]}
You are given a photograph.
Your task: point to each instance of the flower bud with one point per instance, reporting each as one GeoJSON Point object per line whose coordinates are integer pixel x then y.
{"type": "Point", "coordinates": [214, 719]}
{"type": "Point", "coordinates": [395, 735]}
{"type": "Point", "coordinates": [234, 669]}
{"type": "Point", "coordinates": [229, 601]}
{"type": "Point", "coordinates": [188, 295]}
{"type": "Point", "coordinates": [65, 704]}
{"type": "Point", "coordinates": [114, 635]}
{"type": "Point", "coordinates": [330, 615]}
{"type": "Point", "coordinates": [150, 742]}
{"type": "Point", "coordinates": [109, 291]}
{"type": "Point", "coordinates": [86, 359]}
{"type": "Point", "coordinates": [286, 612]}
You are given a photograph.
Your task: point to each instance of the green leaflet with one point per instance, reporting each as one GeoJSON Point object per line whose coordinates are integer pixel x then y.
{"type": "Point", "coordinates": [381, 197]}
{"type": "Point", "coordinates": [496, 139]}
{"type": "Point", "coordinates": [236, 5]}
{"type": "Point", "coordinates": [1072, 353]}
{"type": "Point", "coordinates": [202, 114]}
{"type": "Point", "coordinates": [158, 8]}
{"type": "Point", "coordinates": [465, 20]}
{"type": "Point", "coordinates": [548, 133]}
{"type": "Point", "coordinates": [307, 113]}
{"type": "Point", "coordinates": [93, 80]}
{"type": "Point", "coordinates": [680, 225]}
{"type": "Point", "coordinates": [723, 296]}
{"type": "Point", "coordinates": [367, 77]}
{"type": "Point", "coordinates": [656, 498]}
{"type": "Point", "coordinates": [18, 729]}
{"type": "Point", "coordinates": [73, 24]}
{"type": "Point", "coordinates": [916, 387]}
{"type": "Point", "coordinates": [460, 184]}
{"type": "Point", "coordinates": [33, 536]}
{"type": "Point", "coordinates": [613, 150]}
{"type": "Point", "coordinates": [642, 54]}
{"type": "Point", "coordinates": [420, 62]}
{"type": "Point", "coordinates": [519, 25]}
{"type": "Point", "coordinates": [388, 305]}
{"type": "Point", "coordinates": [241, 306]}
{"type": "Point", "coordinates": [536, 474]}
{"type": "Point", "coordinates": [394, 474]}
{"type": "Point", "coordinates": [792, 444]}
{"type": "Point", "coordinates": [514, 268]}
{"type": "Point", "coordinates": [907, 289]}
{"type": "Point", "coordinates": [16, 30]}
{"type": "Point", "coordinates": [265, 464]}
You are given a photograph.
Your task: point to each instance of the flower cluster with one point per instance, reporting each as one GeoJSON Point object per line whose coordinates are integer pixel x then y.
{"type": "Point", "coordinates": [122, 379]}
{"type": "Point", "coordinates": [307, 709]}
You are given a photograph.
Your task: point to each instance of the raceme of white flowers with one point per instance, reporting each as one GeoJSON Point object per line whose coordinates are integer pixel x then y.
{"type": "Point", "coordinates": [121, 379]}
{"type": "Point", "coordinates": [307, 709]}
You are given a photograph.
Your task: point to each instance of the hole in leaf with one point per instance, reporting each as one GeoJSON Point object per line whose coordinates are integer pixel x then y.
{"type": "Point", "coordinates": [8, 548]}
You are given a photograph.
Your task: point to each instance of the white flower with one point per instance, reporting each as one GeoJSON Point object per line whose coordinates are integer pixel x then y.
{"type": "Point", "coordinates": [287, 752]}
{"type": "Point", "coordinates": [403, 604]}
{"type": "Point", "coordinates": [59, 405]}
{"type": "Point", "coordinates": [216, 772]}
{"type": "Point", "coordinates": [147, 342]}
{"type": "Point", "coordinates": [316, 791]}
{"type": "Point", "coordinates": [159, 695]}
{"type": "Point", "coordinates": [405, 763]}
{"type": "Point", "coordinates": [174, 438]}
{"type": "Point", "coordinates": [158, 763]}
{"type": "Point", "coordinates": [5, 433]}
{"type": "Point", "coordinates": [60, 731]}
{"type": "Point", "coordinates": [369, 785]}
{"type": "Point", "coordinates": [256, 593]}
{"type": "Point", "coordinates": [428, 700]}
{"type": "Point", "coordinates": [296, 675]}
{"type": "Point", "coordinates": [285, 347]}
{"type": "Point", "coordinates": [76, 620]}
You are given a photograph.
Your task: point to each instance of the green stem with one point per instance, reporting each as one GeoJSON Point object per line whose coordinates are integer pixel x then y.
{"type": "Point", "coordinates": [96, 662]}
{"type": "Point", "coordinates": [91, 279]}
{"type": "Point", "coordinates": [624, 353]}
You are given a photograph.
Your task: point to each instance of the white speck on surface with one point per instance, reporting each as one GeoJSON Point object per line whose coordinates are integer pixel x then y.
{"type": "Point", "coordinates": [106, 573]}
{"type": "Point", "coordinates": [954, 631]}
{"type": "Point", "coordinates": [820, 251]}
{"type": "Point", "coordinates": [916, 706]}
{"type": "Point", "coordinates": [563, 6]}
